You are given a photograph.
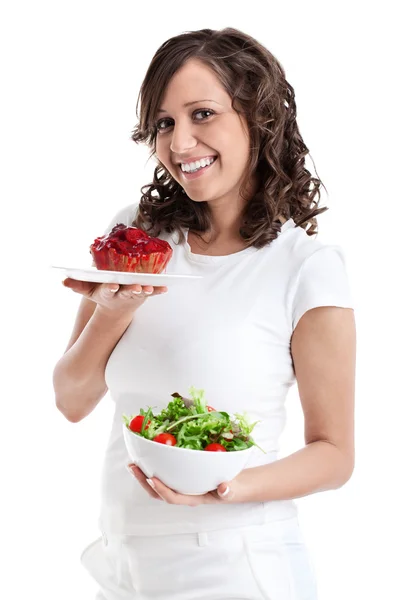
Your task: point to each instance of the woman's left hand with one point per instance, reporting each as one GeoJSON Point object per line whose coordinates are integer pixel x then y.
{"type": "Point", "coordinates": [226, 492]}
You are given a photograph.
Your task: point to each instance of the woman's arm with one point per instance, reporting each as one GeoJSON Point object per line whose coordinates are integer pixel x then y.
{"type": "Point", "coordinates": [78, 377]}
{"type": "Point", "coordinates": [324, 357]}
{"type": "Point", "coordinates": [104, 314]}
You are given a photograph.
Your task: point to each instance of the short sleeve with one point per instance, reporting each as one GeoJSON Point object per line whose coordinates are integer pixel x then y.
{"type": "Point", "coordinates": [322, 281]}
{"type": "Point", "coordinates": [125, 215]}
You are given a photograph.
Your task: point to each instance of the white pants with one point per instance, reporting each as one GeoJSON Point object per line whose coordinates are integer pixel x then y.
{"type": "Point", "coordinates": [261, 562]}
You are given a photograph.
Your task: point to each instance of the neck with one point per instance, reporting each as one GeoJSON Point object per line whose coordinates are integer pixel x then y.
{"type": "Point", "coordinates": [226, 213]}
{"type": "Point", "coordinates": [226, 219]}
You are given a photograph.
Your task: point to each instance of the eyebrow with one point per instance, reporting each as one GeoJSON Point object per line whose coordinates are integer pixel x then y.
{"type": "Point", "coordinates": [161, 110]}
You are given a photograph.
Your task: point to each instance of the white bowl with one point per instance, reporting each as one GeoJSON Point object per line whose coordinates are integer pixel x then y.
{"type": "Point", "coordinates": [186, 471]}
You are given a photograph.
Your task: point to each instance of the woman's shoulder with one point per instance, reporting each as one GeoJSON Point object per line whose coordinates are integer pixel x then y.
{"type": "Point", "coordinates": [125, 215]}
{"type": "Point", "coordinates": [302, 246]}
{"type": "Point", "coordinates": [128, 213]}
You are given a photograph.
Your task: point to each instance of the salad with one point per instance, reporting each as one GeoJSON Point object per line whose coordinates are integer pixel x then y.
{"type": "Point", "coordinates": [192, 423]}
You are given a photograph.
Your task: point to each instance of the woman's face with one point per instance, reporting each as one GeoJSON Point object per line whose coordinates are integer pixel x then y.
{"type": "Point", "coordinates": [196, 121]}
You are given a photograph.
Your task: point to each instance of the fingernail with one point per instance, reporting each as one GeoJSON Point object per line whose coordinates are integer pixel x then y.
{"type": "Point", "coordinates": [225, 492]}
{"type": "Point", "coordinates": [130, 469]}
{"type": "Point", "coordinates": [151, 483]}
{"type": "Point", "coordinates": [135, 292]}
{"type": "Point", "coordinates": [148, 293]}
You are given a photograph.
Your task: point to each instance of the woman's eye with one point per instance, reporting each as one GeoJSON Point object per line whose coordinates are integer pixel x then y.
{"type": "Point", "coordinates": [159, 125]}
{"type": "Point", "coordinates": [163, 124]}
{"type": "Point", "coordinates": [198, 112]}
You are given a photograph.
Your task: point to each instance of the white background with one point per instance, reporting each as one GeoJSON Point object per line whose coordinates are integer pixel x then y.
{"type": "Point", "coordinates": [70, 76]}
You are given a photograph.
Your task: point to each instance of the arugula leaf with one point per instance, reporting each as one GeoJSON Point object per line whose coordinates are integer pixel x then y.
{"type": "Point", "coordinates": [199, 400]}
{"type": "Point", "coordinates": [244, 423]}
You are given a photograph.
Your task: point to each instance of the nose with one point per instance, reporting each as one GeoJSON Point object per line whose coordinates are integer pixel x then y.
{"type": "Point", "coordinates": [182, 138]}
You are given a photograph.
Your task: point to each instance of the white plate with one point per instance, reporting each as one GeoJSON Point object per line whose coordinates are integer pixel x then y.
{"type": "Point", "coordinates": [122, 277]}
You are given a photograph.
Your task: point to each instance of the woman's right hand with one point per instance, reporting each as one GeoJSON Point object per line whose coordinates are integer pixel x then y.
{"type": "Point", "coordinates": [112, 297]}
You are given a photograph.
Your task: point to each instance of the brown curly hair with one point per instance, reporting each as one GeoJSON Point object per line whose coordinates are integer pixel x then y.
{"type": "Point", "coordinates": [255, 80]}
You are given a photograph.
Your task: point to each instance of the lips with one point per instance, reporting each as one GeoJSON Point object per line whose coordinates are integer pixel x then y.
{"type": "Point", "coordinates": [187, 176]}
{"type": "Point", "coordinates": [187, 161]}
{"type": "Point", "coordinates": [197, 167]}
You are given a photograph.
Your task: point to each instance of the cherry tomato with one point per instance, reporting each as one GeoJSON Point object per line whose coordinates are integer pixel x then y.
{"type": "Point", "coordinates": [136, 424]}
{"type": "Point", "coordinates": [215, 448]}
{"type": "Point", "coordinates": [210, 409]}
{"type": "Point", "coordinates": [165, 438]}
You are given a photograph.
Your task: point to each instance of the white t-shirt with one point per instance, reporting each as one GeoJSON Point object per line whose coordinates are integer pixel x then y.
{"type": "Point", "coordinates": [229, 334]}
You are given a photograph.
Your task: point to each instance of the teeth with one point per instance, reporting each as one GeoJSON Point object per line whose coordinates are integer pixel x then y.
{"type": "Point", "coordinates": [195, 166]}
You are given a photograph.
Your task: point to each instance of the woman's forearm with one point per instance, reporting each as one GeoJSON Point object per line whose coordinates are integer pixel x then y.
{"type": "Point", "coordinates": [317, 467]}
{"type": "Point", "coordinates": [78, 378]}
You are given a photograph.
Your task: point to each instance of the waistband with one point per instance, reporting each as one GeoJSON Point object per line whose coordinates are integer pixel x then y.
{"type": "Point", "coordinates": [269, 514]}
{"type": "Point", "coordinates": [221, 537]}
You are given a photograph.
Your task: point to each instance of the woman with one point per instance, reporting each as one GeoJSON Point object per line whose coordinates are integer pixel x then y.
{"type": "Point", "coordinates": [273, 307]}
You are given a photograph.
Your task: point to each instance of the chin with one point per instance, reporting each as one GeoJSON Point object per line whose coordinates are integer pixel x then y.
{"type": "Point", "coordinates": [203, 196]}
{"type": "Point", "coordinates": [198, 200]}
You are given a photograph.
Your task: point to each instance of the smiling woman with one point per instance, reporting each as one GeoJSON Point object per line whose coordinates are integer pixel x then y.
{"type": "Point", "coordinates": [272, 306]}
{"type": "Point", "coordinates": [223, 96]}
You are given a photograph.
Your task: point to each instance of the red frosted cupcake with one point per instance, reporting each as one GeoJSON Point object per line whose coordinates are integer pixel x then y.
{"type": "Point", "coordinates": [130, 249]}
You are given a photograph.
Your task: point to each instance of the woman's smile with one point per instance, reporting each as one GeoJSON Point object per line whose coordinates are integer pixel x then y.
{"type": "Point", "coordinates": [188, 176]}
